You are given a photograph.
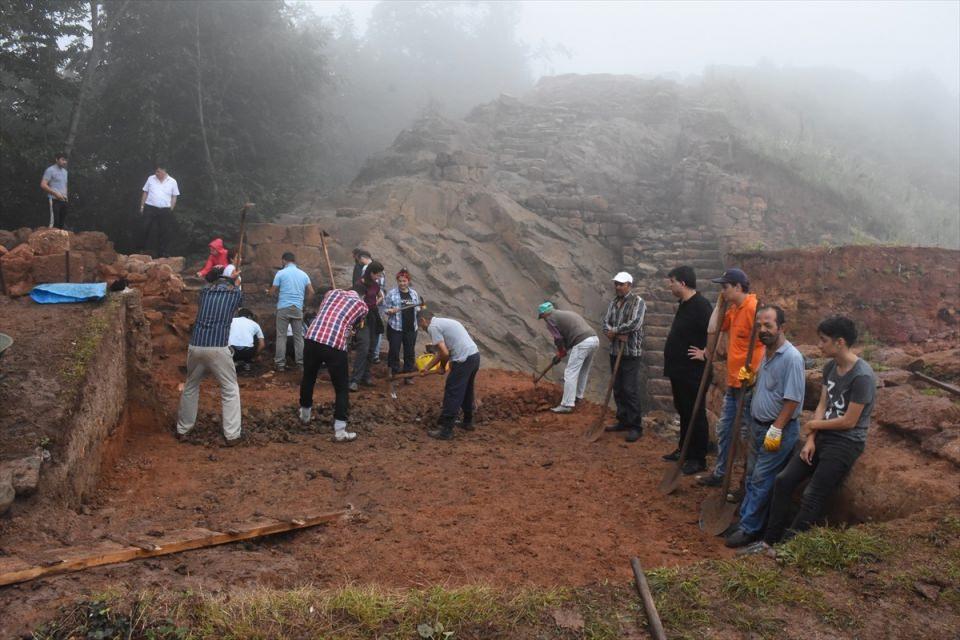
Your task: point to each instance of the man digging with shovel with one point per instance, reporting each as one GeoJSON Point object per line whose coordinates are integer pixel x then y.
{"type": "Point", "coordinates": [571, 334]}
{"type": "Point", "coordinates": [453, 345]}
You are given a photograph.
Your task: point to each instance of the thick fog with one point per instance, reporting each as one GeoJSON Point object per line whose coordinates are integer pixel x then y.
{"type": "Point", "coordinates": [878, 39]}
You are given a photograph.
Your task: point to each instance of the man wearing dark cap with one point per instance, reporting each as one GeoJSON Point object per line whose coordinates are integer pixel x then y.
{"type": "Point", "coordinates": [737, 323]}
{"type": "Point", "coordinates": [571, 335]}
{"type": "Point", "coordinates": [683, 365]}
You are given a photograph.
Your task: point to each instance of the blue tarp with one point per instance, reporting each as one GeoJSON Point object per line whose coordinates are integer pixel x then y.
{"type": "Point", "coordinates": [68, 292]}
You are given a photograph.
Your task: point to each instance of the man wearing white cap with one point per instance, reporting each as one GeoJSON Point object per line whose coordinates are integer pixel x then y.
{"type": "Point", "coordinates": [623, 326]}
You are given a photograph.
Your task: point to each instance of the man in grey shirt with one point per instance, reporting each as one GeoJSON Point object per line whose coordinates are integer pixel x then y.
{"type": "Point", "coordinates": [453, 345]}
{"type": "Point", "coordinates": [774, 428]}
{"type": "Point", "coordinates": [835, 437]}
{"type": "Point", "coordinates": [54, 184]}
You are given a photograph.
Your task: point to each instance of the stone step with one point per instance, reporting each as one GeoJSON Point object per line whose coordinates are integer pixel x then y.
{"type": "Point", "coordinates": [656, 330]}
{"type": "Point", "coordinates": [654, 359]}
{"type": "Point", "coordinates": [659, 387]}
{"type": "Point", "coordinates": [664, 403]}
{"type": "Point", "coordinates": [656, 319]}
{"type": "Point", "coordinates": [654, 342]}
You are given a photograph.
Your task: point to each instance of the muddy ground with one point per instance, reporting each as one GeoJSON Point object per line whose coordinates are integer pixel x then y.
{"type": "Point", "coordinates": [522, 500]}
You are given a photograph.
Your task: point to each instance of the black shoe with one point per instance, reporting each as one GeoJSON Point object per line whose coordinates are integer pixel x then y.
{"type": "Point", "coordinates": [466, 425]}
{"type": "Point", "coordinates": [740, 538]}
{"type": "Point", "coordinates": [367, 383]}
{"type": "Point", "coordinates": [633, 435]}
{"type": "Point", "coordinates": [710, 480]}
{"type": "Point", "coordinates": [246, 366]}
{"type": "Point", "coordinates": [441, 433]}
{"type": "Point", "coordinates": [711, 448]}
{"type": "Point", "coordinates": [615, 427]}
{"type": "Point", "coordinates": [672, 457]}
{"type": "Point", "coordinates": [691, 467]}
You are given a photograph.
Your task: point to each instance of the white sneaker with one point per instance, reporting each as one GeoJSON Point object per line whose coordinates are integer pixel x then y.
{"type": "Point", "coordinates": [345, 436]}
{"type": "Point", "coordinates": [305, 414]}
{"type": "Point", "coordinates": [561, 408]}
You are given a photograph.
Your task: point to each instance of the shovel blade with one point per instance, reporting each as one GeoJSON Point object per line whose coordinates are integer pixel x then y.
{"type": "Point", "coordinates": [716, 513]}
{"type": "Point", "coordinates": [670, 480]}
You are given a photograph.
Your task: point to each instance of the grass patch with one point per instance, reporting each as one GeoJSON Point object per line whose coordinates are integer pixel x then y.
{"type": "Point", "coordinates": [826, 548]}
{"type": "Point", "coordinates": [85, 346]}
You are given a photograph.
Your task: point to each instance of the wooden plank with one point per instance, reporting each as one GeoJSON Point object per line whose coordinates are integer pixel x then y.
{"type": "Point", "coordinates": [13, 570]}
{"type": "Point", "coordinates": [946, 386]}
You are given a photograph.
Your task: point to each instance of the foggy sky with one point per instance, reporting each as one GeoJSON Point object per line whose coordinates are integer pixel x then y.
{"type": "Point", "coordinates": [878, 39]}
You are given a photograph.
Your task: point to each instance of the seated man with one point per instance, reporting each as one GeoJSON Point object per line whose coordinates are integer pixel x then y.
{"type": "Point", "coordinates": [246, 338]}
{"type": "Point", "coordinates": [835, 437]}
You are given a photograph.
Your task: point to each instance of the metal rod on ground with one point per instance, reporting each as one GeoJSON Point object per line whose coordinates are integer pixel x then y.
{"type": "Point", "coordinates": [946, 386]}
{"type": "Point", "coordinates": [326, 256]}
{"type": "Point", "coordinates": [671, 477]}
{"type": "Point", "coordinates": [592, 434]}
{"type": "Point", "coordinates": [656, 627]}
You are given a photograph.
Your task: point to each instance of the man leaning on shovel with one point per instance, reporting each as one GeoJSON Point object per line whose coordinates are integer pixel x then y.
{"type": "Point", "coordinates": [623, 326]}
{"type": "Point", "coordinates": [572, 336]}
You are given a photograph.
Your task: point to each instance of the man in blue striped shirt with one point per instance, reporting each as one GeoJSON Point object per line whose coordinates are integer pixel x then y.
{"type": "Point", "coordinates": [208, 351]}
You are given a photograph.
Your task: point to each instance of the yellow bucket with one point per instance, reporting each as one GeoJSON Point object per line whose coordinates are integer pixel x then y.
{"type": "Point", "coordinates": [424, 359]}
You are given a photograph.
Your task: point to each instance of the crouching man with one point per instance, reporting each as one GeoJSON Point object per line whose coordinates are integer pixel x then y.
{"type": "Point", "coordinates": [454, 345]}
{"type": "Point", "coordinates": [835, 437]}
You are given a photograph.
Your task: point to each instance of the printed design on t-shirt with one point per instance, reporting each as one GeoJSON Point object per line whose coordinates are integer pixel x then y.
{"type": "Point", "coordinates": [836, 407]}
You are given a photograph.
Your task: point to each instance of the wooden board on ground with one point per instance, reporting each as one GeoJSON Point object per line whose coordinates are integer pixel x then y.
{"type": "Point", "coordinates": [14, 570]}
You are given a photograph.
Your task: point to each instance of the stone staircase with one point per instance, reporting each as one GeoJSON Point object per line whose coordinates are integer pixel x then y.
{"type": "Point", "coordinates": [697, 247]}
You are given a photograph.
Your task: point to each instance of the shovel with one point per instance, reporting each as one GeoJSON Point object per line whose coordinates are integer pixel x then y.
{"type": "Point", "coordinates": [593, 433]}
{"type": "Point", "coordinates": [400, 376]}
{"type": "Point", "coordinates": [671, 477]}
{"type": "Point", "coordinates": [539, 377]}
{"type": "Point", "coordinates": [238, 258]}
{"type": "Point", "coordinates": [716, 512]}
{"type": "Point", "coordinates": [326, 256]}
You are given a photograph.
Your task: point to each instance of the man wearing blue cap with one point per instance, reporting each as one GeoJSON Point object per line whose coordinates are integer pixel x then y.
{"type": "Point", "coordinates": [571, 335]}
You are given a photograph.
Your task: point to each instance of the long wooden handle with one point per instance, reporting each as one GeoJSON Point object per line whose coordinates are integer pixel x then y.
{"type": "Point", "coordinates": [243, 228]}
{"type": "Point", "coordinates": [544, 372]}
{"type": "Point", "coordinates": [326, 257]}
{"type": "Point", "coordinates": [597, 428]}
{"type": "Point", "coordinates": [656, 627]}
{"type": "Point", "coordinates": [738, 419]}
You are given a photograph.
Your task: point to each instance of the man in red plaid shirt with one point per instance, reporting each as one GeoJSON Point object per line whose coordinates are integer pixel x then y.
{"type": "Point", "coordinates": [325, 343]}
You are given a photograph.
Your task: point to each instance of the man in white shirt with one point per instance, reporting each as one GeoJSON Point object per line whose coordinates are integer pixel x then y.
{"type": "Point", "coordinates": [246, 339]}
{"type": "Point", "coordinates": [158, 200]}
{"type": "Point", "coordinates": [54, 184]}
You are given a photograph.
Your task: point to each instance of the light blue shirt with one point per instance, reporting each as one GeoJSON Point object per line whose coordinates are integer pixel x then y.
{"type": "Point", "coordinates": [780, 379]}
{"type": "Point", "coordinates": [292, 283]}
{"type": "Point", "coordinates": [56, 178]}
{"type": "Point", "coordinates": [453, 334]}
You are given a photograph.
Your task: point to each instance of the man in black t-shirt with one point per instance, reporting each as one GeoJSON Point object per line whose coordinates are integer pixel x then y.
{"type": "Point", "coordinates": [683, 362]}
{"type": "Point", "coordinates": [835, 437]}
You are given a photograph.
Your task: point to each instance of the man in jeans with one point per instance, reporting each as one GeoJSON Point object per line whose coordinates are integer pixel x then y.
{"type": "Point", "coordinates": [623, 325]}
{"type": "Point", "coordinates": [738, 325]}
{"type": "Point", "coordinates": [208, 351]}
{"type": "Point", "coordinates": [326, 345]}
{"type": "Point", "coordinates": [835, 437]}
{"type": "Point", "coordinates": [453, 345]}
{"type": "Point", "coordinates": [774, 426]}
{"type": "Point", "coordinates": [292, 286]}
{"type": "Point", "coordinates": [571, 334]}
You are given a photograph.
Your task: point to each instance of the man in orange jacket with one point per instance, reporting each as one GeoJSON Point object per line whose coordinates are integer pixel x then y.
{"type": "Point", "coordinates": [737, 323]}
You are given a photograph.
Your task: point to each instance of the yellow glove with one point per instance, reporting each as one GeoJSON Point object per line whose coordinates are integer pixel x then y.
{"type": "Point", "coordinates": [746, 376]}
{"type": "Point", "coordinates": [771, 441]}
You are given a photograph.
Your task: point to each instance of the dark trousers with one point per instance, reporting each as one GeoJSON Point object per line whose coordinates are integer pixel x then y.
{"type": "Point", "coordinates": [458, 391]}
{"type": "Point", "coordinates": [363, 356]}
{"type": "Point", "coordinates": [407, 340]}
{"type": "Point", "coordinates": [60, 210]}
{"type": "Point", "coordinates": [158, 224]}
{"type": "Point", "coordinates": [316, 355]}
{"type": "Point", "coordinates": [684, 397]}
{"type": "Point", "coordinates": [626, 391]}
{"type": "Point", "coordinates": [832, 461]}
{"type": "Point", "coordinates": [244, 354]}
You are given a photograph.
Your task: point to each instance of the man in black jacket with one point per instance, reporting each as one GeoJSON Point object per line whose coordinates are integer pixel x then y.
{"type": "Point", "coordinates": [683, 365]}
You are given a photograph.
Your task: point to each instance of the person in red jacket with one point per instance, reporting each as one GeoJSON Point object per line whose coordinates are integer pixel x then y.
{"type": "Point", "coordinates": [217, 257]}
